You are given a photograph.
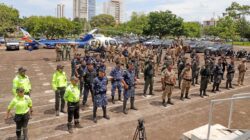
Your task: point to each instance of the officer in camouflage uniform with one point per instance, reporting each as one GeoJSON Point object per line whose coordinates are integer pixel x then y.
{"type": "Point", "coordinates": [195, 71]}
{"type": "Point", "coordinates": [230, 74]}
{"type": "Point", "coordinates": [117, 81]}
{"type": "Point", "coordinates": [100, 98]}
{"type": "Point", "coordinates": [167, 60]}
{"type": "Point", "coordinates": [68, 51]}
{"type": "Point", "coordinates": [212, 66]}
{"type": "Point", "coordinates": [180, 66]}
{"type": "Point", "coordinates": [186, 76]}
{"type": "Point", "coordinates": [148, 77]}
{"type": "Point", "coordinates": [242, 70]}
{"type": "Point", "coordinates": [130, 79]}
{"type": "Point", "coordinates": [217, 71]}
{"type": "Point", "coordinates": [205, 73]}
{"type": "Point", "coordinates": [224, 65]}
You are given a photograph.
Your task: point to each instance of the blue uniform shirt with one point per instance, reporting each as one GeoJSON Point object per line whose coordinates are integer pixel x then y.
{"type": "Point", "coordinates": [100, 85]}
{"type": "Point", "coordinates": [117, 74]}
{"type": "Point", "coordinates": [129, 77]}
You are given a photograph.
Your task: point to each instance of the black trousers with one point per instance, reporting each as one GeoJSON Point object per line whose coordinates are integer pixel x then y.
{"type": "Point", "coordinates": [73, 111]}
{"type": "Point", "coordinates": [21, 123]}
{"type": "Point", "coordinates": [59, 96]}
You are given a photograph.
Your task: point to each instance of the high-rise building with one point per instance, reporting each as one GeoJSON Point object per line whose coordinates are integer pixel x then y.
{"type": "Point", "coordinates": [114, 8]}
{"type": "Point", "coordinates": [60, 10]}
{"type": "Point", "coordinates": [84, 9]}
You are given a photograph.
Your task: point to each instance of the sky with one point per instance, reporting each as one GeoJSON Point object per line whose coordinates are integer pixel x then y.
{"type": "Point", "coordinates": [189, 10]}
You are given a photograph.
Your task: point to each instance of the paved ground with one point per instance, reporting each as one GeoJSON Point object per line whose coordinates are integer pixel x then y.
{"type": "Point", "coordinates": [161, 123]}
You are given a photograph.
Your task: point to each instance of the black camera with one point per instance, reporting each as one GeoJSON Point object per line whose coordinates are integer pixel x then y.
{"type": "Point", "coordinates": [141, 123]}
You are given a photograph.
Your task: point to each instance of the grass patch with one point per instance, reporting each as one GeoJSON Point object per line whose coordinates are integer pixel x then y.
{"type": "Point", "coordinates": [240, 43]}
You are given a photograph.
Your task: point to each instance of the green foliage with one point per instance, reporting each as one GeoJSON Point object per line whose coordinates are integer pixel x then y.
{"type": "Point", "coordinates": [227, 28]}
{"type": "Point", "coordinates": [192, 29]}
{"type": "Point", "coordinates": [102, 20]}
{"type": "Point", "coordinates": [236, 10]}
{"type": "Point", "coordinates": [243, 28]}
{"type": "Point", "coordinates": [9, 19]}
{"type": "Point", "coordinates": [164, 23]}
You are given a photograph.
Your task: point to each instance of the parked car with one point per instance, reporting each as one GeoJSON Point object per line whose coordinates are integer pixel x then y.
{"type": "Point", "coordinates": [12, 44]}
{"type": "Point", "coordinates": [2, 40]}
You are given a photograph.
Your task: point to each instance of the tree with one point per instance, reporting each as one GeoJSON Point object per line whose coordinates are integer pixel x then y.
{"type": "Point", "coordinates": [164, 23]}
{"type": "Point", "coordinates": [210, 31]}
{"type": "Point", "coordinates": [192, 29]}
{"type": "Point", "coordinates": [137, 23]}
{"type": "Point", "coordinates": [243, 28]}
{"type": "Point", "coordinates": [236, 10]}
{"type": "Point", "coordinates": [9, 19]}
{"type": "Point", "coordinates": [102, 20]}
{"type": "Point", "coordinates": [227, 28]}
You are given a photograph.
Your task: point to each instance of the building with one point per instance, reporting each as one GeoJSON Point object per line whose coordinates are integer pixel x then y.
{"type": "Point", "coordinates": [84, 9]}
{"type": "Point", "coordinates": [211, 22]}
{"type": "Point", "coordinates": [114, 8]}
{"type": "Point", "coordinates": [60, 10]}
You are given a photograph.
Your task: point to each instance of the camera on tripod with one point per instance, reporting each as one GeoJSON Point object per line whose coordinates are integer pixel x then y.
{"type": "Point", "coordinates": [140, 131]}
{"type": "Point", "coordinates": [140, 124]}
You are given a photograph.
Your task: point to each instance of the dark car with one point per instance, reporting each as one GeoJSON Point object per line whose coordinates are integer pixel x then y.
{"type": "Point", "coordinates": [32, 45]}
{"type": "Point", "coordinates": [12, 44]}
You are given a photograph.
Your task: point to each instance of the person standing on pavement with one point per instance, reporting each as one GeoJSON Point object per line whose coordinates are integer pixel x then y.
{"type": "Point", "coordinates": [148, 77]}
{"type": "Point", "coordinates": [21, 81]}
{"type": "Point", "coordinates": [242, 70]}
{"type": "Point", "coordinates": [168, 81]}
{"type": "Point", "coordinates": [23, 105]}
{"type": "Point", "coordinates": [89, 74]}
{"type": "Point", "coordinates": [68, 52]}
{"type": "Point", "coordinates": [205, 74]}
{"type": "Point", "coordinates": [58, 52]}
{"type": "Point", "coordinates": [130, 79]}
{"type": "Point", "coordinates": [100, 94]}
{"type": "Point", "coordinates": [195, 70]}
{"type": "Point", "coordinates": [230, 74]}
{"type": "Point", "coordinates": [59, 83]}
{"type": "Point", "coordinates": [180, 66]}
{"type": "Point", "coordinates": [75, 61]}
{"type": "Point", "coordinates": [217, 71]}
{"type": "Point", "coordinates": [72, 97]}
{"type": "Point", "coordinates": [117, 81]}
{"type": "Point", "coordinates": [186, 76]}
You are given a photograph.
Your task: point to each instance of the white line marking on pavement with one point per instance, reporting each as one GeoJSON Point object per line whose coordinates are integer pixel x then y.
{"type": "Point", "coordinates": [52, 100]}
{"type": "Point", "coordinates": [43, 78]}
{"type": "Point", "coordinates": [37, 70]}
{"type": "Point", "coordinates": [39, 74]}
{"type": "Point", "coordinates": [48, 91]}
{"type": "Point", "coordinates": [46, 84]}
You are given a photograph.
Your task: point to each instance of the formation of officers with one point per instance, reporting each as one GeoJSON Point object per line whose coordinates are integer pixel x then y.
{"type": "Point", "coordinates": [88, 74]}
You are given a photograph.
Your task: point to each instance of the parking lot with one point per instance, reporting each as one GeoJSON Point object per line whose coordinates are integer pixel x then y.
{"type": "Point", "coordinates": [160, 122]}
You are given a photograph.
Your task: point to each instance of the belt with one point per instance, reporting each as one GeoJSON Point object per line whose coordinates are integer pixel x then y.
{"type": "Point", "coordinates": [187, 79]}
{"type": "Point", "coordinates": [169, 84]}
{"type": "Point", "coordinates": [73, 103]}
{"type": "Point", "coordinates": [103, 92]}
{"type": "Point", "coordinates": [22, 114]}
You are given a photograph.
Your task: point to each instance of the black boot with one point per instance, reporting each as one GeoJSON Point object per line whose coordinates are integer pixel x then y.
{"type": "Point", "coordinates": [230, 84]}
{"type": "Point", "coordinates": [186, 96]}
{"type": "Point", "coordinates": [94, 114]}
{"type": "Point", "coordinates": [77, 124]}
{"type": "Point", "coordinates": [170, 102]}
{"type": "Point", "coordinates": [119, 97]}
{"type": "Point", "coordinates": [227, 83]}
{"type": "Point", "coordinates": [25, 133]}
{"type": "Point", "coordinates": [104, 108]}
{"type": "Point", "coordinates": [124, 106]}
{"type": "Point", "coordinates": [70, 129]}
{"type": "Point", "coordinates": [132, 102]}
{"type": "Point", "coordinates": [18, 134]}
{"type": "Point", "coordinates": [213, 90]}
{"type": "Point", "coordinates": [113, 99]}
{"type": "Point", "coordinates": [201, 94]}
{"type": "Point", "coordinates": [205, 93]}
{"type": "Point", "coordinates": [164, 103]}
{"type": "Point", "coordinates": [181, 98]}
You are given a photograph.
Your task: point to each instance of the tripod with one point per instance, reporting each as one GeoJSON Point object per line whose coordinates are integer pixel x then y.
{"type": "Point", "coordinates": [140, 131]}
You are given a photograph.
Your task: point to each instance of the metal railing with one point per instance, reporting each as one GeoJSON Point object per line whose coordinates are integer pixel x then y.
{"type": "Point", "coordinates": [234, 97]}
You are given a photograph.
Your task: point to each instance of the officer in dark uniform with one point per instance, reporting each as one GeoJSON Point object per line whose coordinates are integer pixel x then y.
{"type": "Point", "coordinates": [148, 77]}
{"type": "Point", "coordinates": [230, 74]}
{"type": "Point", "coordinates": [180, 66]}
{"type": "Point", "coordinates": [130, 78]}
{"type": "Point", "coordinates": [101, 66]}
{"type": "Point", "coordinates": [99, 88]}
{"type": "Point", "coordinates": [89, 75]}
{"type": "Point", "coordinates": [212, 66]}
{"type": "Point", "coordinates": [195, 71]}
{"type": "Point", "coordinates": [79, 74]}
{"type": "Point", "coordinates": [75, 61]}
{"type": "Point", "coordinates": [217, 76]}
{"type": "Point", "coordinates": [193, 54]}
{"type": "Point", "coordinates": [205, 73]}
{"type": "Point", "coordinates": [224, 65]}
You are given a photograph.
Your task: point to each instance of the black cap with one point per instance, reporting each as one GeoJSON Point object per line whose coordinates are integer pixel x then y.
{"type": "Point", "coordinates": [59, 66]}
{"type": "Point", "coordinates": [21, 69]}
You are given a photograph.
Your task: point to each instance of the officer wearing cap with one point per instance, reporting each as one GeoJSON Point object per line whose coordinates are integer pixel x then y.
{"type": "Point", "coordinates": [89, 74]}
{"type": "Point", "coordinates": [59, 83]}
{"type": "Point", "coordinates": [72, 96]}
{"type": "Point", "coordinates": [23, 105]}
{"type": "Point", "coordinates": [205, 74]}
{"type": "Point", "coordinates": [100, 94]}
{"type": "Point", "coordinates": [230, 74]}
{"type": "Point", "coordinates": [217, 71]}
{"type": "Point", "coordinates": [180, 66]}
{"type": "Point", "coordinates": [130, 79]}
{"type": "Point", "coordinates": [242, 68]}
{"type": "Point", "coordinates": [21, 81]}
{"type": "Point", "coordinates": [148, 77]}
{"type": "Point", "coordinates": [186, 76]}
{"type": "Point", "coordinates": [117, 81]}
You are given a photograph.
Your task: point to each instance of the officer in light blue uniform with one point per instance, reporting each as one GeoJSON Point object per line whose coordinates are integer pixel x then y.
{"type": "Point", "coordinates": [130, 79]}
{"type": "Point", "coordinates": [117, 81]}
{"type": "Point", "coordinates": [100, 98]}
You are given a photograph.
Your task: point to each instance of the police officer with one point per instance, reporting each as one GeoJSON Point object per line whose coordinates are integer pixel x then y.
{"type": "Point", "coordinates": [195, 70]}
{"type": "Point", "coordinates": [100, 97]}
{"type": "Point", "coordinates": [217, 76]}
{"type": "Point", "coordinates": [224, 65]}
{"type": "Point", "coordinates": [186, 76]}
{"type": "Point", "coordinates": [242, 70]}
{"type": "Point", "coordinates": [205, 73]}
{"type": "Point", "coordinates": [180, 66]}
{"type": "Point", "coordinates": [68, 51]}
{"type": "Point", "coordinates": [75, 61]}
{"type": "Point", "coordinates": [59, 83]}
{"type": "Point", "coordinates": [79, 74]}
{"type": "Point", "coordinates": [230, 74]}
{"type": "Point", "coordinates": [116, 81]}
{"type": "Point", "coordinates": [168, 81]}
{"type": "Point", "coordinates": [212, 66]}
{"type": "Point", "coordinates": [23, 105]}
{"type": "Point", "coordinates": [148, 77]}
{"type": "Point", "coordinates": [21, 81]}
{"type": "Point", "coordinates": [89, 75]}
{"type": "Point", "coordinates": [130, 79]}
{"type": "Point", "coordinates": [72, 97]}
